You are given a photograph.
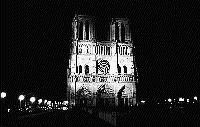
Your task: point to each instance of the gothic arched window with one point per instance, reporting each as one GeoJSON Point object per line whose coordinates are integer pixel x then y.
{"type": "Point", "coordinates": [87, 49]}
{"type": "Point", "coordinates": [80, 69]}
{"type": "Point", "coordinates": [87, 30]}
{"type": "Point", "coordinates": [116, 31]}
{"type": "Point", "coordinates": [76, 69]}
{"type": "Point", "coordinates": [86, 69]}
{"type": "Point", "coordinates": [122, 33]}
{"type": "Point", "coordinates": [81, 31]}
{"type": "Point", "coordinates": [119, 69]}
{"type": "Point", "coordinates": [125, 69]}
{"type": "Point", "coordinates": [101, 50]}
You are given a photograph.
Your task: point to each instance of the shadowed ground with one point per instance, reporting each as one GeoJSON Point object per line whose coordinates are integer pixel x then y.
{"type": "Point", "coordinates": [140, 116]}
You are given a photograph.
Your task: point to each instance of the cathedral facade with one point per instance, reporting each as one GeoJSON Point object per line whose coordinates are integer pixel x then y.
{"type": "Point", "coordinates": [101, 73]}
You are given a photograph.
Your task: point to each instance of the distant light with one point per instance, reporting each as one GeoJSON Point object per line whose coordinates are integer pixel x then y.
{"type": "Point", "coordinates": [65, 108]}
{"type": "Point", "coordinates": [195, 98]}
{"type": "Point", "coordinates": [181, 99]}
{"type": "Point", "coordinates": [49, 103]}
{"type": "Point", "coordinates": [142, 101]}
{"type": "Point", "coordinates": [188, 100]}
{"type": "Point", "coordinates": [169, 100]}
{"type": "Point", "coordinates": [21, 97]}
{"type": "Point", "coordinates": [45, 101]}
{"type": "Point", "coordinates": [3, 94]}
{"type": "Point", "coordinates": [40, 101]}
{"type": "Point", "coordinates": [65, 102]}
{"type": "Point", "coordinates": [32, 99]}
{"type": "Point", "coordinates": [8, 110]}
{"type": "Point", "coordinates": [158, 103]}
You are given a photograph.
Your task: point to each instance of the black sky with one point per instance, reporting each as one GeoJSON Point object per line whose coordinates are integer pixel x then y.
{"type": "Point", "coordinates": [36, 36]}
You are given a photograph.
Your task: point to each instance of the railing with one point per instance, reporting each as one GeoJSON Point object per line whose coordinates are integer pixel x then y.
{"type": "Point", "coordinates": [102, 78]}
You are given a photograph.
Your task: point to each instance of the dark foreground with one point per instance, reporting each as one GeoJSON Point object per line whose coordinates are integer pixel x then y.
{"type": "Point", "coordinates": [144, 116]}
{"type": "Point", "coordinates": [69, 118]}
{"type": "Point", "coordinates": [151, 116]}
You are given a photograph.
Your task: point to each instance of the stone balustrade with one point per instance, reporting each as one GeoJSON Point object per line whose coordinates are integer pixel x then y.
{"type": "Point", "coordinates": [102, 78]}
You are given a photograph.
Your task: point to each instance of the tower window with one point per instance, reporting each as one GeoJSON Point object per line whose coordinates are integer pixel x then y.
{"type": "Point", "coordinates": [80, 69]}
{"type": "Point", "coordinates": [96, 67]}
{"type": "Point", "coordinates": [107, 50]}
{"type": "Point", "coordinates": [122, 33]}
{"type": "Point", "coordinates": [80, 49]}
{"type": "Point", "coordinates": [98, 50]}
{"type": "Point", "coordinates": [87, 49]}
{"type": "Point", "coordinates": [125, 69]}
{"type": "Point", "coordinates": [104, 47]}
{"type": "Point", "coordinates": [116, 31]}
{"type": "Point", "coordinates": [76, 69]}
{"type": "Point", "coordinates": [131, 51]}
{"type": "Point", "coordinates": [87, 30]}
{"type": "Point", "coordinates": [119, 69]}
{"type": "Point", "coordinates": [81, 31]}
{"type": "Point", "coordinates": [86, 69]}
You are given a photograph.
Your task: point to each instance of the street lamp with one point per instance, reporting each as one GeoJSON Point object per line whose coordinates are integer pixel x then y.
{"type": "Point", "coordinates": [3, 94]}
{"type": "Point", "coordinates": [181, 99]}
{"type": "Point", "coordinates": [45, 101]}
{"type": "Point", "coordinates": [40, 101]}
{"type": "Point", "coordinates": [32, 99]}
{"type": "Point", "coordinates": [21, 98]}
{"type": "Point", "coordinates": [169, 100]}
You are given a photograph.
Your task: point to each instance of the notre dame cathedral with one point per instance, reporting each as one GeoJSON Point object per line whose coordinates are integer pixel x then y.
{"type": "Point", "coordinates": [101, 73]}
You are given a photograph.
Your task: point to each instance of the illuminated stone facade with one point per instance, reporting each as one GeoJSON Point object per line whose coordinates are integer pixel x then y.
{"type": "Point", "coordinates": [101, 73]}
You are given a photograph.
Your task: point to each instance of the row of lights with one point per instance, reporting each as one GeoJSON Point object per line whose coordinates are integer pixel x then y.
{"type": "Point", "coordinates": [32, 99]}
{"type": "Point", "coordinates": [170, 100]}
{"type": "Point", "coordinates": [181, 99]}
{"type": "Point", "coordinates": [40, 101]}
{"type": "Point", "coordinates": [22, 97]}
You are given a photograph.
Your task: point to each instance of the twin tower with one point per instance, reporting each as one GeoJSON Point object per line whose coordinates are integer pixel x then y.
{"type": "Point", "coordinates": [84, 29]}
{"type": "Point", "coordinates": [101, 73]}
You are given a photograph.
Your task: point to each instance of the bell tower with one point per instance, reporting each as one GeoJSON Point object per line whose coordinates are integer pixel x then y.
{"type": "Point", "coordinates": [83, 28]}
{"type": "Point", "coordinates": [119, 30]}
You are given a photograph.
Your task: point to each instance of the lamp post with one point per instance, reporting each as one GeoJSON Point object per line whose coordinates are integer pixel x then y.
{"type": "Point", "coordinates": [32, 99]}
{"type": "Point", "coordinates": [40, 101]}
{"type": "Point", "coordinates": [21, 98]}
{"type": "Point", "coordinates": [3, 95]}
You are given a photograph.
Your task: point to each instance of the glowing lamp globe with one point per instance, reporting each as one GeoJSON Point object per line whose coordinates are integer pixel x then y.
{"type": "Point", "coordinates": [169, 100]}
{"type": "Point", "coordinates": [40, 101]}
{"type": "Point", "coordinates": [3, 94]}
{"type": "Point", "coordinates": [21, 97]}
{"type": "Point", "coordinates": [32, 99]}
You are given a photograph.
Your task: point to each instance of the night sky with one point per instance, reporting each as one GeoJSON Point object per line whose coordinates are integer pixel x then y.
{"type": "Point", "coordinates": [36, 35]}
